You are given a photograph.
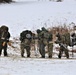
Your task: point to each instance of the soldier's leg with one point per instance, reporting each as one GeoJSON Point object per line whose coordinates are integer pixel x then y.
{"type": "Point", "coordinates": [39, 48]}
{"type": "Point", "coordinates": [5, 50]}
{"type": "Point", "coordinates": [22, 50]}
{"type": "Point", "coordinates": [60, 52]}
{"type": "Point", "coordinates": [0, 50]}
{"type": "Point", "coordinates": [67, 53]}
{"type": "Point", "coordinates": [28, 51]}
{"type": "Point", "coordinates": [43, 50]}
{"type": "Point", "coordinates": [50, 50]}
{"type": "Point", "coordinates": [1, 47]}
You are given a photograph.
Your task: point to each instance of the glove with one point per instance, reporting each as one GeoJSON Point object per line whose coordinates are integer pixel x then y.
{"type": "Point", "coordinates": [3, 43]}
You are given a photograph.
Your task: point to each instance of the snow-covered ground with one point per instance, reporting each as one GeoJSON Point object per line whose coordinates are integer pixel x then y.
{"type": "Point", "coordinates": [33, 14]}
{"type": "Point", "coordinates": [28, 66]}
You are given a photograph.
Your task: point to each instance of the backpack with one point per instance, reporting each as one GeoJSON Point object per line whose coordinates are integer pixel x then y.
{"type": "Point", "coordinates": [44, 37]}
{"type": "Point", "coordinates": [43, 34]}
{"type": "Point", "coordinates": [4, 34]}
{"type": "Point", "coordinates": [26, 35]}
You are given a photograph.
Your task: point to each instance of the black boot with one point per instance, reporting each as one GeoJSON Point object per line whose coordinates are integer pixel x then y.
{"type": "Point", "coordinates": [59, 56]}
{"type": "Point", "coordinates": [50, 57]}
{"type": "Point", "coordinates": [43, 57]}
{"type": "Point", "coordinates": [22, 56]}
{"type": "Point", "coordinates": [28, 56]}
{"type": "Point", "coordinates": [67, 57]}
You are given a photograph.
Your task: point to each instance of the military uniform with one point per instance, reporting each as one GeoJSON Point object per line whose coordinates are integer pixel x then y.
{"type": "Point", "coordinates": [26, 38]}
{"type": "Point", "coordinates": [41, 44]}
{"type": "Point", "coordinates": [25, 46]}
{"type": "Point", "coordinates": [44, 38]}
{"type": "Point", "coordinates": [50, 45]}
{"type": "Point", "coordinates": [50, 50]}
{"type": "Point", "coordinates": [65, 40]}
{"type": "Point", "coordinates": [4, 39]}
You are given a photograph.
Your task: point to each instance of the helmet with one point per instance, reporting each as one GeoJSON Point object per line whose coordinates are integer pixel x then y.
{"type": "Point", "coordinates": [4, 28]}
{"type": "Point", "coordinates": [43, 28]}
{"type": "Point", "coordinates": [38, 31]}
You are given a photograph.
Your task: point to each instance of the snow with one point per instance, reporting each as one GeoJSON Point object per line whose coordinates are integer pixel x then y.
{"type": "Point", "coordinates": [37, 66]}
{"type": "Point", "coordinates": [33, 14]}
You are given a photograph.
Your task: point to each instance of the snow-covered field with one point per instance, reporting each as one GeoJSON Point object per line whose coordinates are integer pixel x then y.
{"type": "Point", "coordinates": [28, 66]}
{"type": "Point", "coordinates": [33, 14]}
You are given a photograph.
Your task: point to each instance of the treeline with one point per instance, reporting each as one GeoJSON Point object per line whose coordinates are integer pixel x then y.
{"type": "Point", "coordinates": [8, 1]}
{"type": "Point", "coordinates": [5, 1]}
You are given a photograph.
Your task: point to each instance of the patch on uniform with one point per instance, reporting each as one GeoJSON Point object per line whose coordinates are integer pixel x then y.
{"type": "Point", "coordinates": [28, 36]}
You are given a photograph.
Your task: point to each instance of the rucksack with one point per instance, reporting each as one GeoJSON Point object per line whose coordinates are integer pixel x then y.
{"type": "Point", "coordinates": [26, 35]}
{"type": "Point", "coordinates": [43, 34]}
{"type": "Point", "coordinates": [4, 34]}
{"type": "Point", "coordinates": [45, 37]}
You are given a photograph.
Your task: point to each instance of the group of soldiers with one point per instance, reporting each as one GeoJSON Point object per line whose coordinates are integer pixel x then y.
{"type": "Point", "coordinates": [44, 38]}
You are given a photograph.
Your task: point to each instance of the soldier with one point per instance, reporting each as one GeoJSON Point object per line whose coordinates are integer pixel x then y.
{"type": "Point", "coordinates": [44, 38]}
{"type": "Point", "coordinates": [4, 39]}
{"type": "Point", "coordinates": [41, 44]}
{"type": "Point", "coordinates": [73, 36]}
{"type": "Point", "coordinates": [25, 38]}
{"type": "Point", "coordinates": [63, 40]}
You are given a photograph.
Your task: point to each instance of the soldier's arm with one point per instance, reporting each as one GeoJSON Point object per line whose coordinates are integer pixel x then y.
{"type": "Point", "coordinates": [10, 44]}
{"type": "Point", "coordinates": [7, 38]}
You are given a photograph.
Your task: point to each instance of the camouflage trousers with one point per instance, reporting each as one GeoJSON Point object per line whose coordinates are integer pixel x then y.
{"type": "Point", "coordinates": [50, 50]}
{"type": "Point", "coordinates": [23, 47]}
{"type": "Point", "coordinates": [62, 49]}
{"type": "Point", "coordinates": [3, 48]}
{"type": "Point", "coordinates": [42, 49]}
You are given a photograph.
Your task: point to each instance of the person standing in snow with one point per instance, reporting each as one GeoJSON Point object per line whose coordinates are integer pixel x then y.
{"type": "Point", "coordinates": [4, 39]}
{"type": "Point", "coordinates": [50, 44]}
{"type": "Point", "coordinates": [64, 41]}
{"type": "Point", "coordinates": [73, 39]}
{"type": "Point", "coordinates": [73, 36]}
{"type": "Point", "coordinates": [41, 44]}
{"type": "Point", "coordinates": [43, 40]}
{"type": "Point", "coordinates": [26, 39]}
